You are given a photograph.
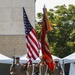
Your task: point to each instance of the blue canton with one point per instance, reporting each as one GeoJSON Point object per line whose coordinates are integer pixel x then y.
{"type": "Point", "coordinates": [27, 24]}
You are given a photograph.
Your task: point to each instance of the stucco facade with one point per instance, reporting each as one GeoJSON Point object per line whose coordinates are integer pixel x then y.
{"type": "Point", "coordinates": [12, 35]}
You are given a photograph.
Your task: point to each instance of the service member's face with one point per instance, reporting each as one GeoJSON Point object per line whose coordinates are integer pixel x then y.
{"type": "Point", "coordinates": [56, 64]}
{"type": "Point", "coordinates": [17, 60]}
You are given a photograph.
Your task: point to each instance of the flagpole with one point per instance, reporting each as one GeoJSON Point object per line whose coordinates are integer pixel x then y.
{"type": "Point", "coordinates": [14, 57]}
{"type": "Point", "coordinates": [45, 47]}
{"type": "Point", "coordinates": [44, 19]}
{"type": "Point", "coordinates": [45, 12]}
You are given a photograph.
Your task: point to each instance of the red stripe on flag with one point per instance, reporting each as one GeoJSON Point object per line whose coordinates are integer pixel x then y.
{"type": "Point", "coordinates": [31, 53]}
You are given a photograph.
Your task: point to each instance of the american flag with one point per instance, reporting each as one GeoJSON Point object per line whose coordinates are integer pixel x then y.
{"type": "Point", "coordinates": [32, 42]}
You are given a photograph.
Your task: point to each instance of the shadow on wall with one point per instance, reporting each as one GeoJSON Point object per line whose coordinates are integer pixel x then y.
{"type": "Point", "coordinates": [4, 69]}
{"type": "Point", "coordinates": [67, 67]}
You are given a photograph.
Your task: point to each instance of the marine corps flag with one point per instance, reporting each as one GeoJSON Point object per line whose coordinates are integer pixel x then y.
{"type": "Point", "coordinates": [45, 47]}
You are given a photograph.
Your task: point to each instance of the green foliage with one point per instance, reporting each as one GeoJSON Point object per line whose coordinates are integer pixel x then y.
{"type": "Point", "coordinates": [38, 30]}
{"type": "Point", "coordinates": [39, 15]}
{"type": "Point", "coordinates": [62, 38]}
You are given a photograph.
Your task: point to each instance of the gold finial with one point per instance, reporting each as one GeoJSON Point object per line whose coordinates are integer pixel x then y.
{"type": "Point", "coordinates": [44, 9]}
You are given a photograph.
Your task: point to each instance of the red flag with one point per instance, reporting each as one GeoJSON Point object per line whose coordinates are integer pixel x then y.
{"type": "Point", "coordinates": [45, 47]}
{"type": "Point", "coordinates": [49, 61]}
{"type": "Point", "coordinates": [32, 42]}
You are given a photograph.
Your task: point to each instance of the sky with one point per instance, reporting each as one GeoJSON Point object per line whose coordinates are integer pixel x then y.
{"type": "Point", "coordinates": [50, 4]}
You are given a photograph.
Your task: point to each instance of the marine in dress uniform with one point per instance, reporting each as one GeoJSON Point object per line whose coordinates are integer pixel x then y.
{"type": "Point", "coordinates": [36, 69]}
{"type": "Point", "coordinates": [42, 67]}
{"type": "Point", "coordinates": [58, 70]}
{"type": "Point", "coordinates": [17, 69]}
{"type": "Point", "coordinates": [30, 69]}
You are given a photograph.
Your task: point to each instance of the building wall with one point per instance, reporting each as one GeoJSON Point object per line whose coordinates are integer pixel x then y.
{"type": "Point", "coordinates": [12, 35]}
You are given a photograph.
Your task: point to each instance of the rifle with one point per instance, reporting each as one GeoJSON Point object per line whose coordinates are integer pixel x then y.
{"type": "Point", "coordinates": [14, 61]}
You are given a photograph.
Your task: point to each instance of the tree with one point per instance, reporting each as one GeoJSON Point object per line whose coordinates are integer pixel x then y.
{"type": "Point", "coordinates": [62, 38]}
